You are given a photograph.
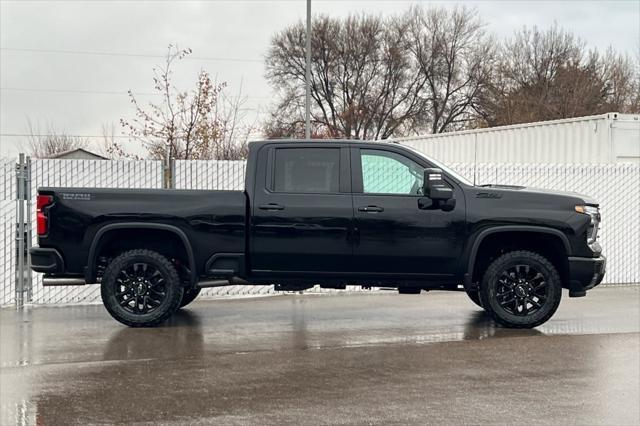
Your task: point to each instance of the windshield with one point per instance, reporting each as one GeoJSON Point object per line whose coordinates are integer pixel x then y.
{"type": "Point", "coordinates": [444, 168]}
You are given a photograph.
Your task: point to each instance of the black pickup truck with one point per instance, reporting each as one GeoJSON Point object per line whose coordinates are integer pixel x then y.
{"type": "Point", "coordinates": [330, 213]}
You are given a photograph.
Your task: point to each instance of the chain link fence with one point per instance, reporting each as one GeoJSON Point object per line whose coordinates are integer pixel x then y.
{"type": "Point", "coordinates": [211, 174]}
{"type": "Point", "coordinates": [615, 186]}
{"type": "Point", "coordinates": [8, 222]}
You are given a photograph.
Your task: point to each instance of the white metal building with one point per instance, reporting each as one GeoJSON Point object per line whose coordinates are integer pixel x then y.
{"type": "Point", "coordinates": [606, 138]}
{"type": "Point", "coordinates": [78, 154]}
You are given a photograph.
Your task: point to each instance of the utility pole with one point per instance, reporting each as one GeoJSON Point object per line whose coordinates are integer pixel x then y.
{"type": "Point", "coordinates": [307, 121]}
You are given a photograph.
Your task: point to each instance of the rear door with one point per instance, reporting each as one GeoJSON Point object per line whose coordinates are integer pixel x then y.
{"type": "Point", "coordinates": [394, 235]}
{"type": "Point", "coordinates": [302, 210]}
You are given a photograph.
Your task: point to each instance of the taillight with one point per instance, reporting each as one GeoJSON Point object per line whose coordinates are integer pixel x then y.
{"type": "Point", "coordinates": [41, 217]}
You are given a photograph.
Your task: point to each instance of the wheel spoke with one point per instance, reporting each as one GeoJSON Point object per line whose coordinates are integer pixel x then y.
{"type": "Point", "coordinates": [540, 291]}
{"type": "Point", "coordinates": [153, 302]}
{"type": "Point", "coordinates": [506, 302]}
{"type": "Point", "coordinates": [535, 303]}
{"type": "Point", "coordinates": [158, 282]}
{"type": "Point", "coordinates": [145, 271]}
{"type": "Point", "coordinates": [154, 291]}
{"type": "Point", "coordinates": [541, 284]}
{"type": "Point", "coordinates": [504, 293]}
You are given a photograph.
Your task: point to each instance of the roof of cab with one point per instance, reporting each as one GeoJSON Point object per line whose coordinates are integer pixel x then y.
{"type": "Point", "coordinates": [321, 141]}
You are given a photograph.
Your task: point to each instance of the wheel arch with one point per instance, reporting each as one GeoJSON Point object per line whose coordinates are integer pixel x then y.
{"type": "Point", "coordinates": [486, 234]}
{"type": "Point", "coordinates": [103, 232]}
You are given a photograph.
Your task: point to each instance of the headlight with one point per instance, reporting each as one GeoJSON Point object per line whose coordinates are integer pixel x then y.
{"type": "Point", "coordinates": [594, 213]}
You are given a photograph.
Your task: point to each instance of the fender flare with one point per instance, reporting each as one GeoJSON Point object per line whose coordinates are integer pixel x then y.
{"type": "Point", "coordinates": [471, 260]}
{"type": "Point", "coordinates": [90, 273]}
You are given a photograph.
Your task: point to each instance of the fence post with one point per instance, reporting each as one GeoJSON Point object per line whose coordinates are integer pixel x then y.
{"type": "Point", "coordinates": [172, 167]}
{"type": "Point", "coordinates": [29, 235]}
{"type": "Point", "coordinates": [20, 182]}
{"type": "Point", "coordinates": [167, 170]}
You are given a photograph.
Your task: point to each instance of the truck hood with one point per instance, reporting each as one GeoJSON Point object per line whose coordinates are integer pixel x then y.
{"type": "Point", "coordinates": [540, 191]}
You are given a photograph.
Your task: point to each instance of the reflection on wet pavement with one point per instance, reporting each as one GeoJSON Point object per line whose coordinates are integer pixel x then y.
{"type": "Point", "coordinates": [348, 358]}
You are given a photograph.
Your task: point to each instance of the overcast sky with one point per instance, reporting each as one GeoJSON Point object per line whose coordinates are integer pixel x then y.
{"type": "Point", "coordinates": [41, 80]}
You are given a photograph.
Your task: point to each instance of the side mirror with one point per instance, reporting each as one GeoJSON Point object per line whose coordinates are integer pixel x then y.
{"type": "Point", "coordinates": [435, 187]}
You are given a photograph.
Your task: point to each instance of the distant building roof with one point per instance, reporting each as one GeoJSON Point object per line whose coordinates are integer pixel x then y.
{"type": "Point", "coordinates": [78, 154]}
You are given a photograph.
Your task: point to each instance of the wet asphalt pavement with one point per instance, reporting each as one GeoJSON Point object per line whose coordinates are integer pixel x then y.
{"type": "Point", "coordinates": [317, 359]}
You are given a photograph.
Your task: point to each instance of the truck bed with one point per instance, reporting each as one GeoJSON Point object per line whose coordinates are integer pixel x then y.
{"type": "Point", "coordinates": [213, 221]}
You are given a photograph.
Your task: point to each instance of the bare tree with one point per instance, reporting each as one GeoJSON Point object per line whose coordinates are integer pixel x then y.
{"type": "Point", "coordinates": [621, 76]}
{"type": "Point", "coordinates": [196, 124]}
{"type": "Point", "coordinates": [110, 148]}
{"type": "Point", "coordinates": [236, 126]}
{"type": "Point", "coordinates": [545, 75]}
{"type": "Point", "coordinates": [374, 77]}
{"type": "Point", "coordinates": [455, 56]}
{"type": "Point", "coordinates": [49, 142]}
{"type": "Point", "coordinates": [363, 83]}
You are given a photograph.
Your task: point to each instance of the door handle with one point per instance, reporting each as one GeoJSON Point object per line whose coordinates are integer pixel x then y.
{"type": "Point", "coordinates": [271, 206]}
{"type": "Point", "coordinates": [371, 209]}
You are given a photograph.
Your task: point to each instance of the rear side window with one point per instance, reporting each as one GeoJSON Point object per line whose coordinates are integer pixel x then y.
{"type": "Point", "coordinates": [307, 170]}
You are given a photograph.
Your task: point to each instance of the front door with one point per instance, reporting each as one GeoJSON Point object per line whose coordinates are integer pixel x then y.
{"type": "Point", "coordinates": [395, 235]}
{"type": "Point", "coordinates": [302, 211]}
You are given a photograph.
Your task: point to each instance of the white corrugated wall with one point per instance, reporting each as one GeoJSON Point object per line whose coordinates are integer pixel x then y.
{"type": "Point", "coordinates": [597, 139]}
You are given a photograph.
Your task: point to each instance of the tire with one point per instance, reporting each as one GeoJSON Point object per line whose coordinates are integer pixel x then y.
{"type": "Point", "coordinates": [474, 296]}
{"type": "Point", "coordinates": [141, 288]}
{"type": "Point", "coordinates": [521, 289]}
{"type": "Point", "coordinates": [189, 296]}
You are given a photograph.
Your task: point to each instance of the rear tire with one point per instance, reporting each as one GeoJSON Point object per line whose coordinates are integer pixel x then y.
{"type": "Point", "coordinates": [189, 296]}
{"type": "Point", "coordinates": [141, 288]}
{"type": "Point", "coordinates": [521, 289]}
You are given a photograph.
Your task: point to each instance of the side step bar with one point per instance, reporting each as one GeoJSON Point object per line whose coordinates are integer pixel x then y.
{"type": "Point", "coordinates": [221, 283]}
{"type": "Point", "coordinates": [54, 282]}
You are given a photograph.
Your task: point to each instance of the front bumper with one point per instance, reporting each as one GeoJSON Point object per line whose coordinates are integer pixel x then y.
{"type": "Point", "coordinates": [585, 273]}
{"type": "Point", "coordinates": [46, 260]}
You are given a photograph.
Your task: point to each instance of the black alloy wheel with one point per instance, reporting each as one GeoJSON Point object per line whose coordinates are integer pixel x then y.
{"type": "Point", "coordinates": [521, 289]}
{"type": "Point", "coordinates": [141, 288]}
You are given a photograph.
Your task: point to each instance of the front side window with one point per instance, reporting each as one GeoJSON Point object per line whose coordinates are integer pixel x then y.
{"type": "Point", "coordinates": [385, 172]}
{"type": "Point", "coordinates": [307, 170]}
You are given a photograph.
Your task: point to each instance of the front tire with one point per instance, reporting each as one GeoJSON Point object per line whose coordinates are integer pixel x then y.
{"type": "Point", "coordinates": [521, 289]}
{"type": "Point", "coordinates": [141, 288]}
